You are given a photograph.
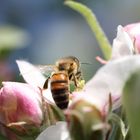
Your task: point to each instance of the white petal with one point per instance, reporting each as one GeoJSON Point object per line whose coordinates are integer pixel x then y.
{"type": "Point", "coordinates": [48, 95]}
{"type": "Point", "coordinates": [55, 132]}
{"type": "Point", "coordinates": [122, 44]}
{"type": "Point", "coordinates": [31, 74]}
{"type": "Point", "coordinates": [110, 79]}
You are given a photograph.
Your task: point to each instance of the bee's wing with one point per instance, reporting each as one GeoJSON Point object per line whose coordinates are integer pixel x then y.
{"type": "Point", "coordinates": [47, 69]}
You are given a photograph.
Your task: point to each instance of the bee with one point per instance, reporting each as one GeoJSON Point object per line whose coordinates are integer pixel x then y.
{"type": "Point", "coordinates": [66, 70]}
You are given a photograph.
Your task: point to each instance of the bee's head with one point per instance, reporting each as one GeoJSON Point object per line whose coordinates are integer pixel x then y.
{"type": "Point", "coordinates": [68, 63]}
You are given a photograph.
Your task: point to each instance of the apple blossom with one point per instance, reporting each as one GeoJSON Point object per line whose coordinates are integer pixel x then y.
{"type": "Point", "coordinates": [127, 41]}
{"type": "Point", "coordinates": [25, 107]}
{"type": "Point", "coordinates": [20, 105]}
{"type": "Point", "coordinates": [91, 107]}
{"type": "Point", "coordinates": [123, 45]}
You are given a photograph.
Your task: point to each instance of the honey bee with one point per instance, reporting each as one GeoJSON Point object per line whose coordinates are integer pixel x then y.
{"type": "Point", "coordinates": [66, 70]}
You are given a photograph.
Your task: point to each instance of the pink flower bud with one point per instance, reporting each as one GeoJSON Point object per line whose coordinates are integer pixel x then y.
{"type": "Point", "coordinates": [134, 32]}
{"type": "Point", "coordinates": [20, 104]}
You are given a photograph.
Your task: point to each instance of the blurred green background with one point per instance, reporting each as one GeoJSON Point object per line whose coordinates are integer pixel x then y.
{"type": "Point", "coordinates": [41, 31]}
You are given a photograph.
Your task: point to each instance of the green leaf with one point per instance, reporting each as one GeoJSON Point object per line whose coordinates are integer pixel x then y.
{"type": "Point", "coordinates": [95, 26]}
{"type": "Point", "coordinates": [131, 102]}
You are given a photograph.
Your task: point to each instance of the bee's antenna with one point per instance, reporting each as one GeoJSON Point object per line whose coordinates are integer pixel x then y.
{"type": "Point", "coordinates": [86, 63]}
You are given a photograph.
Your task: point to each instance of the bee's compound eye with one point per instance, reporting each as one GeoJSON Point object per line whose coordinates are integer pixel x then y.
{"type": "Point", "coordinates": [61, 66]}
{"type": "Point", "coordinates": [71, 64]}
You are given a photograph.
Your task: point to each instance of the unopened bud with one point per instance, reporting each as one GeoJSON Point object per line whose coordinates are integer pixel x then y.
{"type": "Point", "coordinates": [85, 121]}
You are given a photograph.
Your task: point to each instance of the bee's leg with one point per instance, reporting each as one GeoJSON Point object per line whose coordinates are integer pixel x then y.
{"type": "Point", "coordinates": [79, 81]}
{"type": "Point", "coordinates": [79, 75]}
{"type": "Point", "coordinates": [75, 81]}
{"type": "Point", "coordinates": [45, 86]}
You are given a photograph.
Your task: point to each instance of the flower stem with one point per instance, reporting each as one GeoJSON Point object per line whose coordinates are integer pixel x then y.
{"type": "Point", "coordinates": [94, 25]}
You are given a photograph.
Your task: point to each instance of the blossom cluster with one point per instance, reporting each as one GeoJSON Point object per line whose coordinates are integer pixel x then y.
{"type": "Point", "coordinates": [26, 109]}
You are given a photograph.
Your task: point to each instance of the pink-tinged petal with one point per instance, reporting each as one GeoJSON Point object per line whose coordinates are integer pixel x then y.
{"type": "Point", "coordinates": [133, 29]}
{"type": "Point", "coordinates": [31, 74]}
{"type": "Point", "coordinates": [137, 42]}
{"type": "Point", "coordinates": [134, 32]}
{"type": "Point", "coordinates": [109, 79]}
{"type": "Point", "coordinates": [20, 103]}
{"type": "Point", "coordinates": [122, 44]}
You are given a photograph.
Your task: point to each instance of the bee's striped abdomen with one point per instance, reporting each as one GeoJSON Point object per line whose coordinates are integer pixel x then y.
{"type": "Point", "coordinates": [60, 89]}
